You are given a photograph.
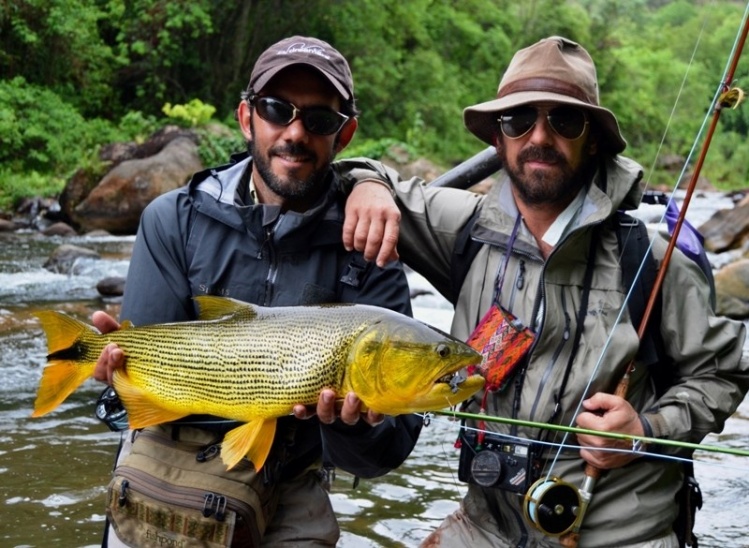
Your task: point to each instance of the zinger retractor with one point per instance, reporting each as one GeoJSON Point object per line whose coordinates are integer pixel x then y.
{"type": "Point", "coordinates": [552, 506]}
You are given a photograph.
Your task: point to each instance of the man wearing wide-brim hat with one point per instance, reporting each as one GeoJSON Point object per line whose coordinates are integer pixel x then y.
{"type": "Point", "coordinates": [535, 264]}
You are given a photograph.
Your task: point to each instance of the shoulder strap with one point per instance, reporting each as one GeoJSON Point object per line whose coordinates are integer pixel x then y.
{"type": "Point", "coordinates": [464, 251]}
{"type": "Point", "coordinates": [634, 251]}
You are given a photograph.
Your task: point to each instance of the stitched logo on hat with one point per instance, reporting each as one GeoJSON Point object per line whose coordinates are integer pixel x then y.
{"type": "Point", "coordinates": [301, 47]}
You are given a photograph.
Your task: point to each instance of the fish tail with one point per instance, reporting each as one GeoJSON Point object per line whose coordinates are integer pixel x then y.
{"type": "Point", "coordinates": [71, 359]}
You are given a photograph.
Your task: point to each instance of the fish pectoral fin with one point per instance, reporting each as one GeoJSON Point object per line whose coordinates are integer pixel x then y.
{"type": "Point", "coordinates": [253, 440]}
{"type": "Point", "coordinates": [59, 379]}
{"type": "Point", "coordinates": [142, 411]}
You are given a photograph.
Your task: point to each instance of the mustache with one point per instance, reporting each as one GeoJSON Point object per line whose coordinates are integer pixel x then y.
{"type": "Point", "coordinates": [541, 154]}
{"type": "Point", "coordinates": [294, 149]}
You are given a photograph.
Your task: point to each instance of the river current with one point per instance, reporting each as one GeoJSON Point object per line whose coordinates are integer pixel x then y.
{"type": "Point", "coordinates": [54, 469]}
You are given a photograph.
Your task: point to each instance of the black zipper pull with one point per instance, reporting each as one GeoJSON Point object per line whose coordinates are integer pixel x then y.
{"type": "Point", "coordinates": [122, 499]}
{"type": "Point", "coordinates": [208, 504]}
{"type": "Point", "coordinates": [207, 453]}
{"type": "Point", "coordinates": [221, 503]}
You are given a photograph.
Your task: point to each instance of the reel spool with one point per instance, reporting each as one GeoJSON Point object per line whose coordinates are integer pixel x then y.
{"type": "Point", "coordinates": [552, 506]}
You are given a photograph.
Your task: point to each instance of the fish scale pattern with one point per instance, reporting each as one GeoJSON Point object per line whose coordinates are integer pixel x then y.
{"type": "Point", "coordinates": [259, 368]}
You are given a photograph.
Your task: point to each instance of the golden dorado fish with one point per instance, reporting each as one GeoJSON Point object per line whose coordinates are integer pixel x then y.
{"type": "Point", "coordinates": [253, 364]}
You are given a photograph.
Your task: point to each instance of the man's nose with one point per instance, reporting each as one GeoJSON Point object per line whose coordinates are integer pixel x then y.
{"type": "Point", "coordinates": [296, 131]}
{"type": "Point", "coordinates": [541, 131]}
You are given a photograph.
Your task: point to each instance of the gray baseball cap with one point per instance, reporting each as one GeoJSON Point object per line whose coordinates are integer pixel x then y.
{"type": "Point", "coordinates": [303, 50]}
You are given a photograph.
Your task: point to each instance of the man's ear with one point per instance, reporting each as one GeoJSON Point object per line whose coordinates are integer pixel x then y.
{"type": "Point", "coordinates": [346, 134]}
{"type": "Point", "coordinates": [243, 113]}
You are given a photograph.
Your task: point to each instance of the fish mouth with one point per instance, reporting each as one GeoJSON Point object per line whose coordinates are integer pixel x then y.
{"type": "Point", "coordinates": [454, 380]}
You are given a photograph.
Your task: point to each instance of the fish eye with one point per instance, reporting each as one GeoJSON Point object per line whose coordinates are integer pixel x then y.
{"type": "Point", "coordinates": [443, 350]}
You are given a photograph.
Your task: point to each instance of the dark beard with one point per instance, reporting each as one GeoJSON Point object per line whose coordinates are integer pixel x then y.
{"type": "Point", "coordinates": [292, 189]}
{"type": "Point", "coordinates": [541, 188]}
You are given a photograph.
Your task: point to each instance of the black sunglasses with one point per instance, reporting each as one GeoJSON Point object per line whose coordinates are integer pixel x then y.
{"type": "Point", "coordinates": [318, 120]}
{"type": "Point", "coordinates": [567, 122]}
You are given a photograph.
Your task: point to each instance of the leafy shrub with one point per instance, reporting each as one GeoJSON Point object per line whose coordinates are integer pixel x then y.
{"type": "Point", "coordinates": [379, 149]}
{"type": "Point", "coordinates": [193, 114]}
{"type": "Point", "coordinates": [218, 143]}
{"type": "Point", "coordinates": [15, 186]}
{"type": "Point", "coordinates": [40, 132]}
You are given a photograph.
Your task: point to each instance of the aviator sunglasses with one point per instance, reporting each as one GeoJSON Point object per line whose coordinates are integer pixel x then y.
{"type": "Point", "coordinates": [567, 122]}
{"type": "Point", "coordinates": [317, 120]}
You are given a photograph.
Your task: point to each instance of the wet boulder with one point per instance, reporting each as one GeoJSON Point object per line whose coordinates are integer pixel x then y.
{"type": "Point", "coordinates": [732, 289]}
{"type": "Point", "coordinates": [112, 286]}
{"type": "Point", "coordinates": [116, 203]}
{"type": "Point", "coordinates": [727, 228]}
{"type": "Point", "coordinates": [59, 229]}
{"type": "Point", "coordinates": [63, 259]}
{"type": "Point", "coordinates": [7, 225]}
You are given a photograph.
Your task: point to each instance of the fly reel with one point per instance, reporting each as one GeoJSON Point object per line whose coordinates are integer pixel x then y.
{"type": "Point", "coordinates": [552, 506]}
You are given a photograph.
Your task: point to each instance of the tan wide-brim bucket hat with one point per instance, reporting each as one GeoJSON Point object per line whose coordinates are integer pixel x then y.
{"type": "Point", "coordinates": [554, 69]}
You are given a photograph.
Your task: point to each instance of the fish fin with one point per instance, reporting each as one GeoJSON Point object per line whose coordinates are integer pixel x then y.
{"type": "Point", "coordinates": [253, 440]}
{"type": "Point", "coordinates": [142, 410]}
{"type": "Point", "coordinates": [127, 324]}
{"type": "Point", "coordinates": [61, 330]}
{"type": "Point", "coordinates": [215, 308]}
{"type": "Point", "coordinates": [61, 377]}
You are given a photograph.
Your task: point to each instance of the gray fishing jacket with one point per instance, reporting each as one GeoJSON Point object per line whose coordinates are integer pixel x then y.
{"type": "Point", "coordinates": [208, 238]}
{"type": "Point", "coordinates": [631, 504]}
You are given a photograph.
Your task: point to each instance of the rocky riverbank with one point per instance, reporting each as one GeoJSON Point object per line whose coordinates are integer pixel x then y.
{"type": "Point", "coordinates": [111, 200]}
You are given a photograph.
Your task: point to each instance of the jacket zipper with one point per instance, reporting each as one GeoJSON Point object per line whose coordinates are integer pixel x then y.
{"type": "Point", "coordinates": [270, 277]}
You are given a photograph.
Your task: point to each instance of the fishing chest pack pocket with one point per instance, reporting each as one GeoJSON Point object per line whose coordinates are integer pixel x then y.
{"type": "Point", "coordinates": [178, 492]}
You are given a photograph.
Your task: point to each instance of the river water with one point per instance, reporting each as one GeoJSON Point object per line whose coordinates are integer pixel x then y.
{"type": "Point", "coordinates": [54, 469]}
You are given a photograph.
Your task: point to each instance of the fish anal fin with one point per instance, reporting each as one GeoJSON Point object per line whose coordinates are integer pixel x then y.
{"type": "Point", "coordinates": [59, 379]}
{"type": "Point", "coordinates": [253, 440]}
{"type": "Point", "coordinates": [216, 308]}
{"type": "Point", "coordinates": [142, 411]}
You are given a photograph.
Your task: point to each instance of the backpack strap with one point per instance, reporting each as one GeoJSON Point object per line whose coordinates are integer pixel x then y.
{"type": "Point", "coordinates": [464, 251]}
{"type": "Point", "coordinates": [634, 252]}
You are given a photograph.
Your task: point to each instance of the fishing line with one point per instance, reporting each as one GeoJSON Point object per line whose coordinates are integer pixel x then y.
{"type": "Point", "coordinates": [446, 416]}
{"type": "Point", "coordinates": [612, 435]}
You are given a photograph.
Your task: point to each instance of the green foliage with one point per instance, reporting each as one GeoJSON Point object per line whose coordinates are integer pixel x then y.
{"type": "Point", "coordinates": [159, 39]}
{"type": "Point", "coordinates": [41, 132]}
{"type": "Point", "coordinates": [193, 114]}
{"type": "Point", "coordinates": [218, 143]}
{"type": "Point", "coordinates": [15, 186]}
{"type": "Point", "coordinates": [379, 149]}
{"type": "Point", "coordinates": [59, 45]}
{"type": "Point", "coordinates": [80, 73]}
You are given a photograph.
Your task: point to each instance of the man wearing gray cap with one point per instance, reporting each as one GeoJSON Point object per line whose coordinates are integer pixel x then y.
{"type": "Point", "coordinates": [265, 229]}
{"type": "Point", "coordinates": [533, 268]}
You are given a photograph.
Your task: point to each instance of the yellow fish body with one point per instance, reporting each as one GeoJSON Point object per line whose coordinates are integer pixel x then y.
{"type": "Point", "coordinates": [253, 364]}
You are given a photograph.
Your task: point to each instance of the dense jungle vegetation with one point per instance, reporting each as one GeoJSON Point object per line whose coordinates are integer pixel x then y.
{"type": "Point", "coordinates": [76, 74]}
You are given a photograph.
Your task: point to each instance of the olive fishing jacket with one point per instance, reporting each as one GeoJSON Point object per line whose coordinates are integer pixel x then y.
{"type": "Point", "coordinates": [209, 238]}
{"type": "Point", "coordinates": [631, 504]}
